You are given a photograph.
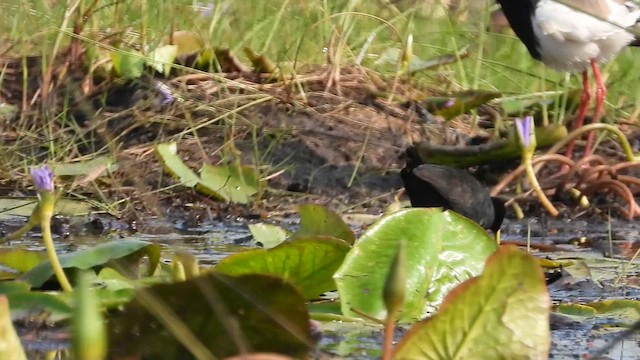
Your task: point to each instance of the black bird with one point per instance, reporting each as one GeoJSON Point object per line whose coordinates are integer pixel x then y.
{"type": "Point", "coordinates": [575, 35]}
{"type": "Point", "coordinates": [430, 185]}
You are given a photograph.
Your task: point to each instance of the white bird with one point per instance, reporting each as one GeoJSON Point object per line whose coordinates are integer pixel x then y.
{"type": "Point", "coordinates": [575, 35]}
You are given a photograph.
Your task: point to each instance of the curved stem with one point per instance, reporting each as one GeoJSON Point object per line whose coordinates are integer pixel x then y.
{"type": "Point", "coordinates": [533, 180]}
{"type": "Point", "coordinates": [45, 224]}
{"type": "Point", "coordinates": [626, 147]}
{"type": "Point", "coordinates": [33, 221]}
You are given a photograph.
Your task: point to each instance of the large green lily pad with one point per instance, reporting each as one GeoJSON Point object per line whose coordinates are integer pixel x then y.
{"type": "Point", "coordinates": [502, 314]}
{"type": "Point", "coordinates": [443, 250]}
{"type": "Point", "coordinates": [214, 316]}
{"type": "Point", "coordinates": [309, 263]}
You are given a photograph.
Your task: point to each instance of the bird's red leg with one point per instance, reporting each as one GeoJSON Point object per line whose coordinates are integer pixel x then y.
{"type": "Point", "coordinates": [601, 93]}
{"type": "Point", "coordinates": [582, 109]}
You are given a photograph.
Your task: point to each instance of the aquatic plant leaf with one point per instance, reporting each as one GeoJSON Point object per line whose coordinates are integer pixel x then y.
{"type": "Point", "coordinates": [465, 101]}
{"type": "Point", "coordinates": [25, 304]}
{"type": "Point", "coordinates": [318, 220]}
{"type": "Point", "coordinates": [78, 168]}
{"type": "Point", "coordinates": [576, 310]}
{"type": "Point", "coordinates": [21, 260]}
{"type": "Point", "coordinates": [12, 207]}
{"type": "Point", "coordinates": [162, 58]}
{"type": "Point", "coordinates": [10, 345]}
{"type": "Point", "coordinates": [129, 65]}
{"type": "Point", "coordinates": [444, 249]}
{"type": "Point", "coordinates": [502, 314]}
{"type": "Point", "coordinates": [623, 310]}
{"type": "Point", "coordinates": [97, 256]}
{"type": "Point", "coordinates": [308, 262]}
{"type": "Point", "coordinates": [268, 235]}
{"type": "Point", "coordinates": [168, 154]}
{"type": "Point", "coordinates": [229, 182]}
{"type": "Point", "coordinates": [225, 314]}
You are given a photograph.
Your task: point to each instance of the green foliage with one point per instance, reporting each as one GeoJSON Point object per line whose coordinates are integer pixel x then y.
{"type": "Point", "coordinates": [444, 249]}
{"type": "Point", "coordinates": [318, 220]}
{"type": "Point", "coordinates": [268, 235]}
{"type": "Point", "coordinates": [502, 314]}
{"type": "Point", "coordinates": [228, 183]}
{"type": "Point", "coordinates": [127, 252]}
{"type": "Point", "coordinates": [308, 262]}
{"type": "Point", "coordinates": [223, 315]}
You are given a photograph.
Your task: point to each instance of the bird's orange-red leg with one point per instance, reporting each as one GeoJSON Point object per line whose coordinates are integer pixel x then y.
{"type": "Point", "coordinates": [582, 109]}
{"type": "Point", "coordinates": [601, 93]}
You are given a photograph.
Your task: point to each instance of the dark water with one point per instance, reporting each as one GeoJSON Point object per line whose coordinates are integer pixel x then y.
{"type": "Point", "coordinates": [609, 278]}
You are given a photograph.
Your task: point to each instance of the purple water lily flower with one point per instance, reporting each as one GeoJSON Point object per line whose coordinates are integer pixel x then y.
{"type": "Point", "coordinates": [165, 93]}
{"type": "Point", "coordinates": [42, 178]}
{"type": "Point", "coordinates": [449, 103]}
{"type": "Point", "coordinates": [205, 10]}
{"type": "Point", "coordinates": [525, 128]}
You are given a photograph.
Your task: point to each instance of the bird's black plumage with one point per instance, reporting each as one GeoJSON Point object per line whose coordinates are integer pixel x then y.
{"type": "Point", "coordinates": [519, 13]}
{"type": "Point", "coordinates": [430, 185]}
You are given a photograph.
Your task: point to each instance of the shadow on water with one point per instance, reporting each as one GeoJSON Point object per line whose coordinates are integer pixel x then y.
{"type": "Point", "coordinates": [594, 276]}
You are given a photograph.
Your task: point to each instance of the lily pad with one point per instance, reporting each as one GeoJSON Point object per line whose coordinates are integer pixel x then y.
{"type": "Point", "coordinates": [129, 64]}
{"type": "Point", "coordinates": [229, 182]}
{"type": "Point", "coordinates": [462, 102]}
{"type": "Point", "coordinates": [168, 154]}
{"type": "Point", "coordinates": [318, 220]}
{"type": "Point", "coordinates": [21, 260]}
{"type": "Point", "coordinates": [78, 168]}
{"type": "Point", "coordinates": [225, 315]}
{"type": "Point", "coordinates": [97, 256]}
{"type": "Point", "coordinates": [502, 314]}
{"type": "Point", "coordinates": [444, 249]}
{"type": "Point", "coordinates": [268, 235]}
{"type": "Point", "coordinates": [162, 58]}
{"type": "Point", "coordinates": [23, 207]}
{"type": "Point", "coordinates": [309, 263]}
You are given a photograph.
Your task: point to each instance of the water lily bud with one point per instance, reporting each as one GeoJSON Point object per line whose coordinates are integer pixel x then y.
{"type": "Point", "coordinates": [395, 285]}
{"type": "Point", "coordinates": [42, 178]}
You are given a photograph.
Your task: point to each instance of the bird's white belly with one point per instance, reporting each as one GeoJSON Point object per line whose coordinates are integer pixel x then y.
{"type": "Point", "coordinates": [568, 39]}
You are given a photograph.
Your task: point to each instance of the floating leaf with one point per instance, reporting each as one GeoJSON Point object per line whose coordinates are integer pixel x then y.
{"type": "Point", "coordinates": [21, 260]}
{"type": "Point", "coordinates": [24, 305]}
{"type": "Point", "coordinates": [167, 152]}
{"type": "Point", "coordinates": [268, 235]}
{"type": "Point", "coordinates": [96, 256]}
{"type": "Point", "coordinates": [10, 345]}
{"type": "Point", "coordinates": [503, 314]}
{"type": "Point", "coordinates": [162, 58]}
{"type": "Point", "coordinates": [625, 310]}
{"type": "Point", "coordinates": [225, 314]}
{"type": "Point", "coordinates": [318, 220]}
{"type": "Point", "coordinates": [23, 207]}
{"type": "Point", "coordinates": [229, 182]}
{"type": "Point", "coordinates": [309, 263]}
{"type": "Point", "coordinates": [85, 167]}
{"type": "Point", "coordinates": [444, 249]}
{"type": "Point", "coordinates": [460, 103]}
{"type": "Point", "coordinates": [127, 64]}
